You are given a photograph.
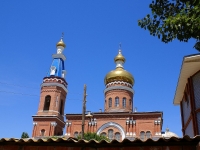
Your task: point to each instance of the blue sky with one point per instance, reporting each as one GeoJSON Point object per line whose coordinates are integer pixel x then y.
{"type": "Point", "coordinates": [93, 30]}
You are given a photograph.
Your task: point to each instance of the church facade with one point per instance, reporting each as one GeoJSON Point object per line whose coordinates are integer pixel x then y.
{"type": "Point", "coordinates": [117, 121]}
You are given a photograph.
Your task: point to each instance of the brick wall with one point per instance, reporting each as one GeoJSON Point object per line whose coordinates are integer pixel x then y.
{"type": "Point", "coordinates": [144, 122]}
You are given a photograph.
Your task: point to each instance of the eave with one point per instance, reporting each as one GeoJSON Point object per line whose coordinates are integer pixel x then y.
{"type": "Point", "coordinates": [190, 65]}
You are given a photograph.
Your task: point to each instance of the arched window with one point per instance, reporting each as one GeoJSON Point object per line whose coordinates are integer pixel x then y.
{"type": "Point", "coordinates": [103, 134]}
{"type": "Point", "coordinates": [52, 70]}
{"type": "Point", "coordinates": [130, 102]}
{"type": "Point", "coordinates": [61, 107]}
{"type": "Point", "coordinates": [110, 102]}
{"type": "Point", "coordinates": [124, 102]}
{"type": "Point", "coordinates": [110, 134]}
{"type": "Point", "coordinates": [47, 102]}
{"type": "Point", "coordinates": [148, 134]}
{"type": "Point", "coordinates": [76, 134]}
{"type": "Point", "coordinates": [42, 132]}
{"type": "Point", "coordinates": [142, 135]}
{"type": "Point", "coordinates": [116, 101]}
{"type": "Point", "coordinates": [117, 136]}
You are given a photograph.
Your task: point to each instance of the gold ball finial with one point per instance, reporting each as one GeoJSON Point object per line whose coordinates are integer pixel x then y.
{"type": "Point", "coordinates": [120, 57]}
{"type": "Point", "coordinates": [61, 43]}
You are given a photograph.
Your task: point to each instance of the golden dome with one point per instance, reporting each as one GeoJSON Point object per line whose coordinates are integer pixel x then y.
{"type": "Point", "coordinates": [120, 57]}
{"type": "Point", "coordinates": [119, 74]}
{"type": "Point", "coordinates": [61, 43]}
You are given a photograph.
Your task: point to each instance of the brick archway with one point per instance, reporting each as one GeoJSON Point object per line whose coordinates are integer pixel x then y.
{"type": "Point", "coordinates": [112, 124]}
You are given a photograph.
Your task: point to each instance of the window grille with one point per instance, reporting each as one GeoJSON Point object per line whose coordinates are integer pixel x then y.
{"type": "Point", "coordinates": [110, 102]}
{"type": "Point", "coordinates": [117, 102]}
{"type": "Point", "coordinates": [142, 135]}
{"type": "Point", "coordinates": [117, 136]}
{"type": "Point", "coordinates": [110, 134]}
{"type": "Point", "coordinates": [124, 102]}
{"type": "Point", "coordinates": [148, 134]}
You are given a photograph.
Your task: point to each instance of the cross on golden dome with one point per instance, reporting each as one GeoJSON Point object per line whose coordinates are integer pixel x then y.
{"type": "Point", "coordinates": [61, 43]}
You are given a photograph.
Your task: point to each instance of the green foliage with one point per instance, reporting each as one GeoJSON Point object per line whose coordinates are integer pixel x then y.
{"type": "Point", "coordinates": [24, 135]}
{"type": "Point", "coordinates": [93, 136]}
{"type": "Point", "coordinates": [173, 19]}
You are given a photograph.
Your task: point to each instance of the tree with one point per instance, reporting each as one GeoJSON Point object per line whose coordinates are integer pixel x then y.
{"type": "Point", "coordinates": [93, 136]}
{"type": "Point", "coordinates": [24, 135]}
{"type": "Point", "coordinates": [173, 19]}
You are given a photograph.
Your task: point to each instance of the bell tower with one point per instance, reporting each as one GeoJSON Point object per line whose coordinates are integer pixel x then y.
{"type": "Point", "coordinates": [49, 120]}
{"type": "Point", "coordinates": [118, 91]}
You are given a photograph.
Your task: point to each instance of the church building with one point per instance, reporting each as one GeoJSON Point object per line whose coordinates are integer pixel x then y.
{"type": "Point", "coordinates": [188, 95]}
{"type": "Point", "coordinates": [117, 121]}
{"type": "Point", "coordinates": [49, 120]}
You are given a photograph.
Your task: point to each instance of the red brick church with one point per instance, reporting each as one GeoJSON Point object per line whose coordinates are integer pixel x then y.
{"type": "Point", "coordinates": [117, 121]}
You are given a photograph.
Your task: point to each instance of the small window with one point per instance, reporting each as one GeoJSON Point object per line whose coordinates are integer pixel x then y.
{"type": "Point", "coordinates": [61, 107]}
{"type": "Point", "coordinates": [110, 134]}
{"type": "Point", "coordinates": [42, 132]}
{"type": "Point", "coordinates": [130, 102]}
{"type": "Point", "coordinates": [103, 134]}
{"type": "Point", "coordinates": [148, 134]}
{"type": "Point", "coordinates": [110, 102]}
{"type": "Point", "coordinates": [124, 102]}
{"type": "Point", "coordinates": [47, 102]}
{"type": "Point", "coordinates": [53, 70]}
{"type": "Point", "coordinates": [116, 101]}
{"type": "Point", "coordinates": [117, 136]}
{"type": "Point", "coordinates": [142, 135]}
{"type": "Point", "coordinates": [63, 73]}
{"type": "Point", "coordinates": [76, 134]}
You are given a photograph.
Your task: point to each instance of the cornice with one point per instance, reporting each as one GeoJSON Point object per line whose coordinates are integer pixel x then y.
{"type": "Point", "coordinates": [55, 84]}
{"type": "Point", "coordinates": [119, 88]}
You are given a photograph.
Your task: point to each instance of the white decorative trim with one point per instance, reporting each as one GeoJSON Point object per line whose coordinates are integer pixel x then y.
{"type": "Point", "coordinates": [118, 88]}
{"type": "Point", "coordinates": [48, 116]}
{"type": "Point", "coordinates": [52, 79]}
{"type": "Point", "coordinates": [119, 82]}
{"type": "Point", "coordinates": [48, 111]}
{"type": "Point", "coordinates": [111, 124]}
{"type": "Point", "coordinates": [54, 124]}
{"type": "Point", "coordinates": [59, 56]}
{"type": "Point", "coordinates": [55, 84]}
